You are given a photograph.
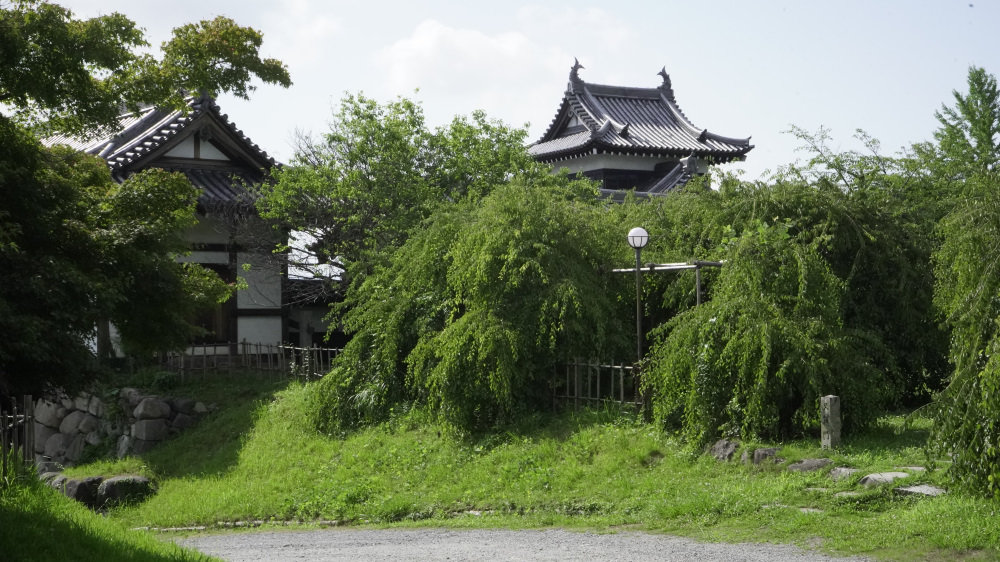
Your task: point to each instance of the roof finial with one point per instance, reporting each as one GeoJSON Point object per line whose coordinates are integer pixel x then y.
{"type": "Point", "coordinates": [666, 77]}
{"type": "Point", "coordinates": [574, 76]}
{"type": "Point", "coordinates": [666, 87]}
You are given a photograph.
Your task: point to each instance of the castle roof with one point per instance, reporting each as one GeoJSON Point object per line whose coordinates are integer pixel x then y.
{"type": "Point", "coordinates": [600, 119]}
{"type": "Point", "coordinates": [165, 138]}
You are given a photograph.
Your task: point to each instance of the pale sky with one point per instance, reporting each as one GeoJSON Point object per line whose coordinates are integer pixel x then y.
{"type": "Point", "coordinates": [739, 68]}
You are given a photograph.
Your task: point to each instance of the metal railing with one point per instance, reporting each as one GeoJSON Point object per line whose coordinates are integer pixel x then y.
{"type": "Point", "coordinates": [593, 382]}
{"type": "Point", "coordinates": [17, 436]}
{"type": "Point", "coordinates": [277, 359]}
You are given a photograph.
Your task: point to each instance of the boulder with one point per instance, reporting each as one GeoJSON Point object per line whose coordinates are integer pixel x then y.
{"type": "Point", "coordinates": [71, 422]}
{"type": "Point", "coordinates": [82, 402]}
{"type": "Point", "coordinates": [96, 407]}
{"type": "Point", "coordinates": [124, 446]}
{"type": "Point", "coordinates": [48, 476]}
{"type": "Point", "coordinates": [760, 455]}
{"type": "Point", "coordinates": [47, 413]}
{"type": "Point", "coordinates": [45, 466]}
{"type": "Point", "coordinates": [809, 465]}
{"type": "Point", "coordinates": [184, 405]}
{"type": "Point", "coordinates": [842, 472]}
{"type": "Point", "coordinates": [182, 421]}
{"type": "Point", "coordinates": [881, 478]}
{"type": "Point", "coordinates": [150, 430]}
{"type": "Point", "coordinates": [93, 438]}
{"type": "Point", "coordinates": [129, 398]}
{"type": "Point", "coordinates": [75, 448]}
{"type": "Point", "coordinates": [920, 490]}
{"type": "Point", "coordinates": [56, 445]}
{"type": "Point", "coordinates": [722, 450]}
{"type": "Point", "coordinates": [140, 446]}
{"type": "Point", "coordinates": [66, 403]}
{"type": "Point", "coordinates": [83, 490]}
{"type": "Point", "coordinates": [151, 408]}
{"type": "Point", "coordinates": [57, 482]}
{"type": "Point", "coordinates": [42, 434]}
{"type": "Point", "coordinates": [200, 408]}
{"type": "Point", "coordinates": [121, 489]}
{"type": "Point", "coordinates": [88, 423]}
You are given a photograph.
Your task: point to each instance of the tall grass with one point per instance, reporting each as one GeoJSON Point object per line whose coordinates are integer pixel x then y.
{"type": "Point", "coordinates": [38, 523]}
{"type": "Point", "coordinates": [590, 469]}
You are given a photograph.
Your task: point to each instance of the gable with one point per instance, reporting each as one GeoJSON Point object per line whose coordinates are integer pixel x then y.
{"type": "Point", "coordinates": [195, 148]}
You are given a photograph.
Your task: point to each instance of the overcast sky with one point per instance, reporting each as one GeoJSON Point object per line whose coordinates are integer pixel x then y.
{"type": "Point", "coordinates": [739, 68]}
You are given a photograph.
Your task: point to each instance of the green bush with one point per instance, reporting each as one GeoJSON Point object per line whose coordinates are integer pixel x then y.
{"type": "Point", "coordinates": [755, 360]}
{"type": "Point", "coordinates": [477, 308]}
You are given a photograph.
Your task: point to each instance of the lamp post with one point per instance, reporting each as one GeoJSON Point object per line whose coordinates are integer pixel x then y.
{"type": "Point", "coordinates": [638, 238]}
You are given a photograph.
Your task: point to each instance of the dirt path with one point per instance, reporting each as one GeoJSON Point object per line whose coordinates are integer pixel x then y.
{"type": "Point", "coordinates": [446, 544]}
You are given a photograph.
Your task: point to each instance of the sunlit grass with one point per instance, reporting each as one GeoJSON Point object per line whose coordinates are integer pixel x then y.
{"type": "Point", "coordinates": [599, 470]}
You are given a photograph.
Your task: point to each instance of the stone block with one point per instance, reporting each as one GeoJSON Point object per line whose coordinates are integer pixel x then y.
{"type": "Point", "coordinates": [151, 408]}
{"type": "Point", "coordinates": [71, 423]}
{"type": "Point", "coordinates": [722, 450]}
{"type": "Point", "coordinates": [96, 407]}
{"type": "Point", "coordinates": [47, 413]}
{"type": "Point", "coordinates": [808, 465]}
{"type": "Point", "coordinates": [842, 472]}
{"type": "Point", "coordinates": [42, 434]}
{"type": "Point", "coordinates": [829, 421]}
{"type": "Point", "coordinates": [124, 446]}
{"type": "Point", "coordinates": [140, 446]}
{"type": "Point", "coordinates": [82, 402]}
{"type": "Point", "coordinates": [760, 455]}
{"type": "Point", "coordinates": [182, 421]}
{"type": "Point", "coordinates": [88, 423]}
{"type": "Point", "coordinates": [881, 478]}
{"type": "Point", "coordinates": [75, 448]}
{"type": "Point", "coordinates": [150, 430]}
{"type": "Point", "coordinates": [920, 490]}
{"type": "Point", "coordinates": [83, 490]}
{"type": "Point", "coordinates": [121, 489]}
{"type": "Point", "coordinates": [93, 438]}
{"type": "Point", "coordinates": [184, 405]}
{"type": "Point", "coordinates": [56, 445]}
{"type": "Point", "coordinates": [66, 403]}
{"type": "Point", "coordinates": [200, 408]}
{"type": "Point", "coordinates": [129, 398]}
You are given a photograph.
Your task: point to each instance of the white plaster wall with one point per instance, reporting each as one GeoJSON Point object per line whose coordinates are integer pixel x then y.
{"type": "Point", "coordinates": [208, 230]}
{"type": "Point", "coordinates": [259, 329]}
{"type": "Point", "coordinates": [263, 280]}
{"type": "Point", "coordinates": [610, 161]}
{"type": "Point", "coordinates": [200, 256]}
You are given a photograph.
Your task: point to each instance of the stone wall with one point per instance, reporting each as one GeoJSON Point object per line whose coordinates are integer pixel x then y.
{"type": "Point", "coordinates": [65, 427]}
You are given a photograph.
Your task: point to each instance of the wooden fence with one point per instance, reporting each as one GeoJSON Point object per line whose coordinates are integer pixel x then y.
{"type": "Point", "coordinates": [593, 383]}
{"type": "Point", "coordinates": [276, 359]}
{"type": "Point", "coordinates": [17, 436]}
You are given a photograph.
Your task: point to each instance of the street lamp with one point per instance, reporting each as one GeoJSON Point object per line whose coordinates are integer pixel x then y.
{"type": "Point", "coordinates": [638, 238]}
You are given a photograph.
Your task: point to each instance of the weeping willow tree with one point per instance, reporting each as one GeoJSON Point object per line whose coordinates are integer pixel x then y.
{"type": "Point", "coordinates": [754, 361]}
{"type": "Point", "coordinates": [473, 312]}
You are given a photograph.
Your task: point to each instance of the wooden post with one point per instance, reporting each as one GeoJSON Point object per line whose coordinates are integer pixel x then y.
{"type": "Point", "coordinates": [3, 441]}
{"type": "Point", "coordinates": [829, 421]}
{"type": "Point", "coordinates": [29, 431]}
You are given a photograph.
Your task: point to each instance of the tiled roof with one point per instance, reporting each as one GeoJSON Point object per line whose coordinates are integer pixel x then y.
{"type": "Point", "coordinates": [639, 121]}
{"type": "Point", "coordinates": [140, 134]}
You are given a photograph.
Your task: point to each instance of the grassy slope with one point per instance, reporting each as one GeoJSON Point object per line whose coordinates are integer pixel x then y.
{"type": "Point", "coordinates": [38, 523]}
{"type": "Point", "coordinates": [589, 470]}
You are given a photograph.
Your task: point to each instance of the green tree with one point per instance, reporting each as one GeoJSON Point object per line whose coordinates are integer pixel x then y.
{"type": "Point", "coordinates": [74, 246]}
{"type": "Point", "coordinates": [73, 75]}
{"type": "Point", "coordinates": [379, 171]}
{"type": "Point", "coordinates": [473, 312]}
{"type": "Point", "coordinates": [968, 284]}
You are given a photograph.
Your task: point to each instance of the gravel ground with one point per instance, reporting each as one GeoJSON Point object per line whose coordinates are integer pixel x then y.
{"type": "Point", "coordinates": [442, 544]}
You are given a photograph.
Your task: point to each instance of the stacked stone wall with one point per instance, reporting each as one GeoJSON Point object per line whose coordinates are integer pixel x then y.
{"type": "Point", "coordinates": [65, 427]}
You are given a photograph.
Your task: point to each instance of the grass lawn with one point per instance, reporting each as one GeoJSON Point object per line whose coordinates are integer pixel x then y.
{"type": "Point", "coordinates": [257, 459]}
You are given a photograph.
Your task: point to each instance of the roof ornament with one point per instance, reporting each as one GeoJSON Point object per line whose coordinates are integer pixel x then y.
{"type": "Point", "coordinates": [666, 87]}
{"type": "Point", "coordinates": [574, 75]}
{"type": "Point", "coordinates": [624, 132]}
{"type": "Point", "coordinates": [703, 135]}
